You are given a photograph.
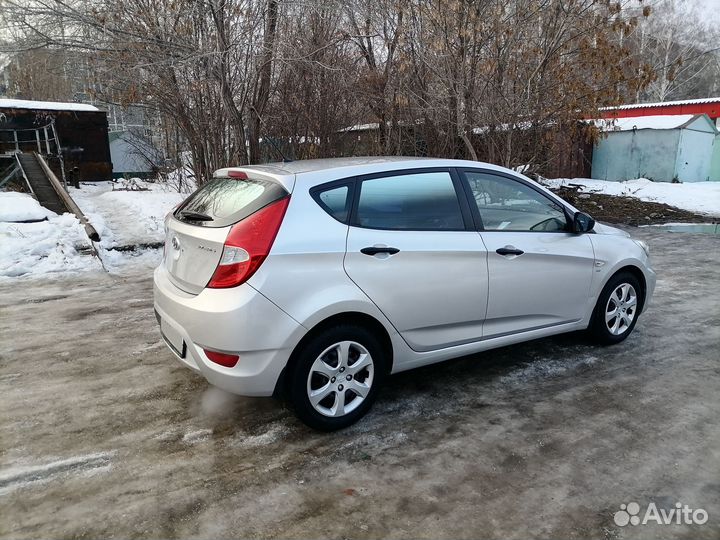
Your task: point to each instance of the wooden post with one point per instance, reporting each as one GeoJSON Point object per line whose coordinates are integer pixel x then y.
{"type": "Point", "coordinates": [59, 152]}
{"type": "Point", "coordinates": [69, 203]}
{"type": "Point", "coordinates": [37, 138]}
{"type": "Point", "coordinates": [47, 141]}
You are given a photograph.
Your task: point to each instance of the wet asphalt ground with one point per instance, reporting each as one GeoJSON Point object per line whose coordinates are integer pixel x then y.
{"type": "Point", "coordinates": [104, 434]}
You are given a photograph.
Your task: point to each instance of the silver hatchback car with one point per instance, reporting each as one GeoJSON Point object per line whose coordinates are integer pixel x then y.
{"type": "Point", "coordinates": [317, 279]}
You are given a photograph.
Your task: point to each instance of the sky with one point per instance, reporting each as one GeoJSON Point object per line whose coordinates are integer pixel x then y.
{"type": "Point", "coordinates": [709, 9]}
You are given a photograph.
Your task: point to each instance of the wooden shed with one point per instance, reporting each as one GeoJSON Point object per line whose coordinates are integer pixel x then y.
{"type": "Point", "coordinates": [74, 131]}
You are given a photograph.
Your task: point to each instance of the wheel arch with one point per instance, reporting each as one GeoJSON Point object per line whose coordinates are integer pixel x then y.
{"type": "Point", "coordinates": [639, 274]}
{"type": "Point", "coordinates": [636, 272]}
{"type": "Point", "coordinates": [355, 318]}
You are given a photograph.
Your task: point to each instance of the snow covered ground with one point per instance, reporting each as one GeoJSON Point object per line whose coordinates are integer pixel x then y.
{"type": "Point", "coordinates": [126, 217]}
{"type": "Point", "coordinates": [53, 246]}
{"type": "Point", "coordinates": [699, 197]}
{"type": "Point", "coordinates": [123, 218]}
{"type": "Point", "coordinates": [127, 214]}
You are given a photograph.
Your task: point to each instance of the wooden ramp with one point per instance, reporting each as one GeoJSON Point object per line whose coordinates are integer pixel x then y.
{"type": "Point", "coordinates": [49, 191]}
{"type": "Point", "coordinates": [40, 184]}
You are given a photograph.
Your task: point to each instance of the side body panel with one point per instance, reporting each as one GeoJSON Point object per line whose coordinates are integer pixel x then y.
{"type": "Point", "coordinates": [548, 284]}
{"type": "Point", "coordinates": [434, 291]}
{"type": "Point", "coordinates": [304, 275]}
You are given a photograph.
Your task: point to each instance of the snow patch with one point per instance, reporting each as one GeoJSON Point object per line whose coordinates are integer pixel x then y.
{"type": "Point", "coordinates": [663, 104]}
{"type": "Point", "coordinates": [119, 261]}
{"type": "Point", "coordinates": [16, 206]}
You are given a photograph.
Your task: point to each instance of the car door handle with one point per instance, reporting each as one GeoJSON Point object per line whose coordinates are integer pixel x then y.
{"type": "Point", "coordinates": [374, 250]}
{"type": "Point", "coordinates": [509, 250]}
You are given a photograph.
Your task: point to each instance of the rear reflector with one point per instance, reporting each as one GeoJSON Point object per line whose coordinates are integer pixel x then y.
{"type": "Point", "coordinates": [227, 360]}
{"type": "Point", "coordinates": [247, 245]}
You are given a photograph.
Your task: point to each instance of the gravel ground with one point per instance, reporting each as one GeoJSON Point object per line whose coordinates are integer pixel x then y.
{"type": "Point", "coordinates": [103, 434]}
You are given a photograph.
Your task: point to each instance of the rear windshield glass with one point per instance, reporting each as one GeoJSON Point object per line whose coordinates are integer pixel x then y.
{"type": "Point", "coordinates": [224, 201]}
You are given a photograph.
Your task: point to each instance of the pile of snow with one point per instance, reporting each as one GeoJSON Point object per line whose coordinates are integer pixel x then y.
{"type": "Point", "coordinates": [21, 207]}
{"type": "Point", "coordinates": [700, 197]}
{"type": "Point", "coordinates": [44, 247]}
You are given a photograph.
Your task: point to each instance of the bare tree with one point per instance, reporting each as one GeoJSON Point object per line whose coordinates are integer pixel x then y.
{"type": "Point", "coordinates": [679, 46]}
{"type": "Point", "coordinates": [242, 81]}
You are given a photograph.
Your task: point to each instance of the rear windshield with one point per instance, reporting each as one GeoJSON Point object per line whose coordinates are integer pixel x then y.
{"type": "Point", "coordinates": [224, 201]}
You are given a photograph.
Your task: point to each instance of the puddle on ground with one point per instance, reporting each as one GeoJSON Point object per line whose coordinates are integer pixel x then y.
{"type": "Point", "coordinates": [695, 228]}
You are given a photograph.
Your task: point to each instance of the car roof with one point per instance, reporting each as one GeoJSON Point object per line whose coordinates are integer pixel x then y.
{"type": "Point", "coordinates": [311, 165]}
{"type": "Point", "coordinates": [311, 172]}
{"type": "Point", "coordinates": [319, 169]}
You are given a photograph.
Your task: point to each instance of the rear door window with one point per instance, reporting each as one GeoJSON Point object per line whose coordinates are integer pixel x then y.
{"type": "Point", "coordinates": [225, 201]}
{"type": "Point", "coordinates": [335, 200]}
{"type": "Point", "coordinates": [422, 201]}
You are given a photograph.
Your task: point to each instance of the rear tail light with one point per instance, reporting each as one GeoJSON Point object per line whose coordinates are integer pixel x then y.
{"type": "Point", "coordinates": [247, 245]}
{"type": "Point", "coordinates": [227, 360]}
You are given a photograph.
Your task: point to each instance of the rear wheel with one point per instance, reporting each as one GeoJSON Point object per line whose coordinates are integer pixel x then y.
{"type": "Point", "coordinates": [336, 376]}
{"type": "Point", "coordinates": [617, 309]}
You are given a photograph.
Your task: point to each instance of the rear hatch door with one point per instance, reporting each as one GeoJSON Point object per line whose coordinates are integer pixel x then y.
{"type": "Point", "coordinates": [197, 229]}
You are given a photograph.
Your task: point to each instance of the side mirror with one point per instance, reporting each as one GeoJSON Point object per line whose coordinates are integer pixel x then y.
{"type": "Point", "coordinates": [582, 223]}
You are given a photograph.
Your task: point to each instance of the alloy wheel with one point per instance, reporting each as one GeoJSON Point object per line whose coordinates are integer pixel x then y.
{"type": "Point", "coordinates": [621, 308]}
{"type": "Point", "coordinates": [340, 378]}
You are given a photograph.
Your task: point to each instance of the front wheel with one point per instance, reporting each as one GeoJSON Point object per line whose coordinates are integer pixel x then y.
{"type": "Point", "coordinates": [336, 376]}
{"type": "Point", "coordinates": [617, 309]}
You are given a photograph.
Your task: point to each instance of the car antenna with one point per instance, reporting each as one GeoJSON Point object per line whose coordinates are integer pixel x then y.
{"type": "Point", "coordinates": [277, 149]}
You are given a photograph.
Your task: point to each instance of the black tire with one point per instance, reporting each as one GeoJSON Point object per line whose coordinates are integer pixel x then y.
{"type": "Point", "coordinates": [303, 361]}
{"type": "Point", "coordinates": [598, 327]}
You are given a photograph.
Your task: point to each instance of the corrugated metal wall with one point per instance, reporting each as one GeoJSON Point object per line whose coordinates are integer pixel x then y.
{"type": "Point", "coordinates": [646, 153]}
{"type": "Point", "coordinates": [662, 155]}
{"type": "Point", "coordinates": [694, 155]}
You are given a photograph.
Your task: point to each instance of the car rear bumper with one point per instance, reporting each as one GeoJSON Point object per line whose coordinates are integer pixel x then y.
{"type": "Point", "coordinates": [239, 321]}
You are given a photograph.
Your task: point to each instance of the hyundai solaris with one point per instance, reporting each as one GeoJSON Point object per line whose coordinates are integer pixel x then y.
{"type": "Point", "coordinates": [315, 280]}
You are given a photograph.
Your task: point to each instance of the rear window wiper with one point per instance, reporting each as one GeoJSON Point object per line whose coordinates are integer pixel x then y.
{"type": "Point", "coordinates": [195, 216]}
